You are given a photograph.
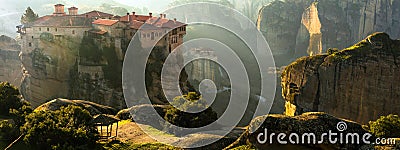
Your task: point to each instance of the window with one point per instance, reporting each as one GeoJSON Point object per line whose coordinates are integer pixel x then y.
{"type": "Point", "coordinates": [30, 44]}
{"type": "Point", "coordinates": [174, 32]}
{"type": "Point", "coordinates": [56, 29]}
{"type": "Point", "coordinates": [48, 29]}
{"type": "Point", "coordinates": [73, 31]}
{"type": "Point", "coordinates": [32, 37]}
{"type": "Point", "coordinates": [40, 29]}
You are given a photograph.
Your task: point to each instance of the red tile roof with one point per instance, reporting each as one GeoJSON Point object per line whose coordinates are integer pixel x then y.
{"type": "Point", "coordinates": [135, 17]}
{"type": "Point", "coordinates": [106, 22]}
{"type": "Point", "coordinates": [97, 14]}
{"type": "Point", "coordinates": [164, 23]}
{"type": "Point", "coordinates": [101, 32]}
{"type": "Point", "coordinates": [62, 21]}
{"type": "Point", "coordinates": [136, 24]}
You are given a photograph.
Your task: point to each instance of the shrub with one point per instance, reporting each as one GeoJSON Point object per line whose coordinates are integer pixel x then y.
{"type": "Point", "coordinates": [386, 126]}
{"type": "Point", "coordinates": [8, 131]}
{"type": "Point", "coordinates": [9, 98]}
{"type": "Point", "coordinates": [332, 50]}
{"type": "Point", "coordinates": [186, 119]}
{"type": "Point", "coordinates": [69, 127]}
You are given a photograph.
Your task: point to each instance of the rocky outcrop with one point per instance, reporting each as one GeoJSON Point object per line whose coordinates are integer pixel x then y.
{"type": "Point", "coordinates": [47, 69]}
{"type": "Point", "coordinates": [359, 83]}
{"type": "Point", "coordinates": [143, 117]}
{"type": "Point", "coordinates": [93, 108]}
{"type": "Point", "coordinates": [10, 66]}
{"type": "Point", "coordinates": [313, 122]}
{"type": "Point", "coordinates": [286, 24]}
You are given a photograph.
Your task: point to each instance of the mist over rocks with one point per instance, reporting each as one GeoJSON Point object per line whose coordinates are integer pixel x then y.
{"type": "Point", "coordinates": [290, 26]}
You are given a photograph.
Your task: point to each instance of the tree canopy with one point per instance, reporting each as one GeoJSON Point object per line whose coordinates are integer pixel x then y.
{"type": "Point", "coordinates": [9, 98]}
{"type": "Point", "coordinates": [29, 16]}
{"type": "Point", "coordinates": [386, 126]}
{"type": "Point", "coordinates": [69, 127]}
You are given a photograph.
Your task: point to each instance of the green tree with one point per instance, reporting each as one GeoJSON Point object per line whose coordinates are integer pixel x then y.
{"type": "Point", "coordinates": [69, 127]}
{"type": "Point", "coordinates": [189, 102]}
{"type": "Point", "coordinates": [385, 126]}
{"type": "Point", "coordinates": [8, 131]}
{"type": "Point", "coordinates": [9, 98]}
{"type": "Point", "coordinates": [29, 16]}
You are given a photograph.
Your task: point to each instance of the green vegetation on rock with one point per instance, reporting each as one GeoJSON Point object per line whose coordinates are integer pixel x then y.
{"type": "Point", "coordinates": [190, 102]}
{"type": "Point", "coordinates": [67, 128]}
{"type": "Point", "coordinates": [9, 98]}
{"type": "Point", "coordinates": [385, 126]}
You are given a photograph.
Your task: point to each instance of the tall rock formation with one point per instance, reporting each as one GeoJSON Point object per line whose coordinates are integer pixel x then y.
{"type": "Point", "coordinates": [359, 83]}
{"type": "Point", "coordinates": [286, 24]}
{"type": "Point", "coordinates": [10, 66]}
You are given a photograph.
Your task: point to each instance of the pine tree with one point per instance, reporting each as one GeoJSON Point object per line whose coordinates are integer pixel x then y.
{"type": "Point", "coordinates": [29, 16]}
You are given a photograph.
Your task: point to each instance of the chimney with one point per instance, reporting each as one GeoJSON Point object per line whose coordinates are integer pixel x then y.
{"type": "Point", "coordinates": [174, 19]}
{"type": "Point", "coordinates": [161, 15]}
{"type": "Point", "coordinates": [73, 11]}
{"type": "Point", "coordinates": [133, 13]}
{"type": "Point", "coordinates": [59, 10]}
{"type": "Point", "coordinates": [129, 17]}
{"type": "Point", "coordinates": [165, 15]}
{"type": "Point", "coordinates": [151, 14]}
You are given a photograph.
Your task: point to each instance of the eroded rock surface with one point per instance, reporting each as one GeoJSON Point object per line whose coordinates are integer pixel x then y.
{"type": "Point", "coordinates": [313, 122]}
{"type": "Point", "coordinates": [359, 83]}
{"type": "Point", "coordinates": [10, 64]}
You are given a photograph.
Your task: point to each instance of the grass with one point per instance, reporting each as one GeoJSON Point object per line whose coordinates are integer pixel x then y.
{"type": "Point", "coordinates": [117, 145]}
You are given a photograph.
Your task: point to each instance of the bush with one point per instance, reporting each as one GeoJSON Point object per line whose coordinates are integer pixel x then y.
{"type": "Point", "coordinates": [18, 115]}
{"type": "Point", "coordinates": [9, 98]}
{"type": "Point", "coordinates": [186, 119]}
{"type": "Point", "coordinates": [386, 126]}
{"type": "Point", "coordinates": [69, 127]}
{"type": "Point", "coordinates": [8, 131]}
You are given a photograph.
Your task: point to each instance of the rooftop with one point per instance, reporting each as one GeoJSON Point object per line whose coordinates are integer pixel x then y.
{"type": "Point", "coordinates": [106, 22]}
{"type": "Point", "coordinates": [62, 21]}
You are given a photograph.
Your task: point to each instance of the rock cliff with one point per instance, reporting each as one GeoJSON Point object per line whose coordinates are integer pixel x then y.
{"type": "Point", "coordinates": [359, 83]}
{"type": "Point", "coordinates": [10, 66]}
{"type": "Point", "coordinates": [87, 68]}
{"type": "Point", "coordinates": [312, 122]}
{"type": "Point", "coordinates": [290, 26]}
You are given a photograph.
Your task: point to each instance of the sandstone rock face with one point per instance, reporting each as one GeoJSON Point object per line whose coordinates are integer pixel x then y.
{"type": "Point", "coordinates": [359, 83]}
{"type": "Point", "coordinates": [46, 69]}
{"type": "Point", "coordinates": [313, 122]}
{"type": "Point", "coordinates": [286, 25]}
{"type": "Point", "coordinates": [10, 66]}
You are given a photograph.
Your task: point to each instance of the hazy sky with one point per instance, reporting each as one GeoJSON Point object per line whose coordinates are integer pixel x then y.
{"type": "Point", "coordinates": [153, 5]}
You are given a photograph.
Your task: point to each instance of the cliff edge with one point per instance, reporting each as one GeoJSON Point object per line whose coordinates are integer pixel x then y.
{"type": "Point", "coordinates": [359, 83]}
